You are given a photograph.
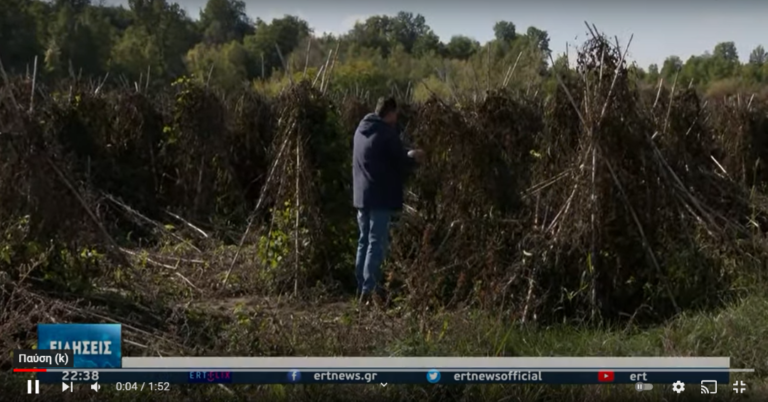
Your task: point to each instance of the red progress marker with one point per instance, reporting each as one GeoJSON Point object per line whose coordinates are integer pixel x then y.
{"type": "Point", "coordinates": [19, 370]}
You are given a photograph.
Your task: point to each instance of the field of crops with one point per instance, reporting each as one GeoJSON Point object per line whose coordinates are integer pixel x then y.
{"type": "Point", "coordinates": [600, 202]}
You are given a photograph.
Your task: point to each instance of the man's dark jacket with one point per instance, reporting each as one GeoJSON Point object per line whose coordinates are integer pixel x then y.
{"type": "Point", "coordinates": [380, 165]}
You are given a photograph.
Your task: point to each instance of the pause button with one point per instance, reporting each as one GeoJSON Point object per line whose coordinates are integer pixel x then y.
{"type": "Point", "coordinates": [29, 386]}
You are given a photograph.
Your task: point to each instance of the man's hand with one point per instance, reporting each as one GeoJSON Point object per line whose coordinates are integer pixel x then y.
{"type": "Point", "coordinates": [416, 154]}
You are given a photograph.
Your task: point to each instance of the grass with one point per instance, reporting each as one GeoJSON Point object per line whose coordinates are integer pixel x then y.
{"type": "Point", "coordinates": [260, 327]}
{"type": "Point", "coordinates": [735, 331]}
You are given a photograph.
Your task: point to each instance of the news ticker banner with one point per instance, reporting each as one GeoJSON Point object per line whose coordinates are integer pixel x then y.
{"type": "Point", "coordinates": [92, 353]}
{"type": "Point", "coordinates": [413, 376]}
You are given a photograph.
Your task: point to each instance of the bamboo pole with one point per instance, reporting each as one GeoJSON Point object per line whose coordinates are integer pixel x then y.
{"type": "Point", "coordinates": [297, 252]}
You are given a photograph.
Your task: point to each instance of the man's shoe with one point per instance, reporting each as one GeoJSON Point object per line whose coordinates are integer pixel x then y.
{"type": "Point", "coordinates": [364, 299]}
{"type": "Point", "coordinates": [381, 299]}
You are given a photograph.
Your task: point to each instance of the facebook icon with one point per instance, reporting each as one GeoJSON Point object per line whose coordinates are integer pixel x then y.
{"type": "Point", "coordinates": [294, 376]}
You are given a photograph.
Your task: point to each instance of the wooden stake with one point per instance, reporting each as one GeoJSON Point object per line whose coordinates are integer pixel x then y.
{"type": "Point", "coordinates": [658, 93]}
{"type": "Point", "coordinates": [34, 81]}
{"type": "Point", "coordinates": [511, 70]}
{"type": "Point", "coordinates": [330, 69]}
{"type": "Point", "coordinates": [258, 205]}
{"type": "Point", "coordinates": [306, 60]}
{"type": "Point", "coordinates": [488, 84]}
{"type": "Point", "coordinates": [286, 67]}
{"type": "Point", "coordinates": [325, 68]}
{"type": "Point", "coordinates": [298, 215]}
{"type": "Point", "coordinates": [669, 107]}
{"type": "Point", "coordinates": [317, 76]}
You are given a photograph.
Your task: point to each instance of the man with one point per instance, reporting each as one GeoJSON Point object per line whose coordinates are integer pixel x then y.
{"type": "Point", "coordinates": [380, 165]}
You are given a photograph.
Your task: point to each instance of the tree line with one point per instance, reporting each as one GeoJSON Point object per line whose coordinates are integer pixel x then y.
{"type": "Point", "coordinates": [154, 41]}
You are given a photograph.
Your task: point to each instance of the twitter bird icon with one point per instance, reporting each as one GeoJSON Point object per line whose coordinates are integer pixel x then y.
{"type": "Point", "coordinates": [433, 376]}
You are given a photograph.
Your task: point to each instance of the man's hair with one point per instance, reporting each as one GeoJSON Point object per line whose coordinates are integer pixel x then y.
{"type": "Point", "coordinates": [385, 106]}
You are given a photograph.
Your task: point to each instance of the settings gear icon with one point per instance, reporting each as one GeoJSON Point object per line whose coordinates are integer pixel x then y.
{"type": "Point", "coordinates": [678, 387]}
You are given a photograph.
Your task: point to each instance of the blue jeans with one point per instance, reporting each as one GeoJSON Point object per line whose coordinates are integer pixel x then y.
{"type": "Point", "coordinates": [371, 247]}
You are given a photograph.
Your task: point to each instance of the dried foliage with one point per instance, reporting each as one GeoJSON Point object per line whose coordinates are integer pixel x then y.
{"type": "Point", "coordinates": [598, 201]}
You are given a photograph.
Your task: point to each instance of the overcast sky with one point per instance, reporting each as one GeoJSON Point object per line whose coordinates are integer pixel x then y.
{"type": "Point", "coordinates": [661, 28]}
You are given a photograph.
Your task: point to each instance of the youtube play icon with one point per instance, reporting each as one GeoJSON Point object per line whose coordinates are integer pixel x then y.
{"type": "Point", "coordinates": [605, 376]}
